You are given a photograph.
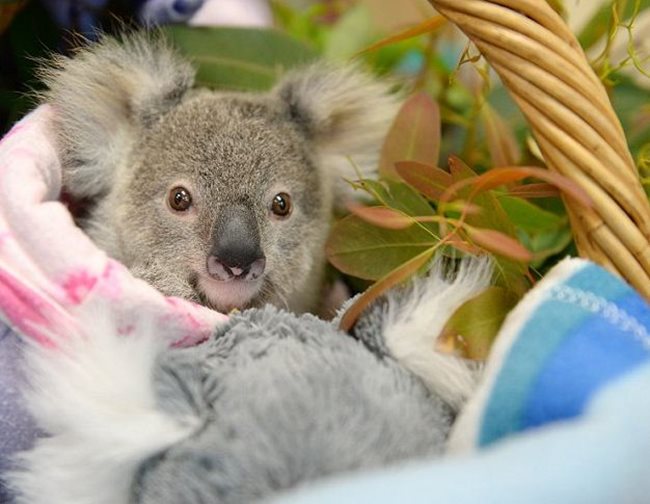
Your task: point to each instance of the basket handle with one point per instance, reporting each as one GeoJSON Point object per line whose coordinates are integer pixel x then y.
{"type": "Point", "coordinates": [547, 73]}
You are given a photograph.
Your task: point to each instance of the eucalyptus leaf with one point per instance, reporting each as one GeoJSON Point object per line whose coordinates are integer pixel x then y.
{"type": "Point", "coordinates": [391, 279]}
{"type": "Point", "coordinates": [475, 325]}
{"type": "Point", "coordinates": [509, 273]}
{"type": "Point", "coordinates": [360, 249]}
{"type": "Point", "coordinates": [301, 22]}
{"type": "Point", "coordinates": [632, 105]}
{"type": "Point", "coordinates": [398, 196]}
{"type": "Point", "coordinates": [403, 198]}
{"type": "Point", "coordinates": [547, 243]}
{"type": "Point", "coordinates": [413, 136]}
{"type": "Point", "coordinates": [500, 137]}
{"type": "Point", "coordinates": [530, 217]}
{"type": "Point", "coordinates": [244, 59]}
{"type": "Point", "coordinates": [352, 33]}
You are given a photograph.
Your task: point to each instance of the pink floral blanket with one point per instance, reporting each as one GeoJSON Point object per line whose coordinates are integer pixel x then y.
{"type": "Point", "coordinates": [50, 270]}
{"type": "Point", "coordinates": [52, 276]}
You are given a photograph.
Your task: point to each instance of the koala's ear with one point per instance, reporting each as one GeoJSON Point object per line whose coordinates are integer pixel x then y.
{"type": "Point", "coordinates": [103, 95]}
{"type": "Point", "coordinates": [344, 111]}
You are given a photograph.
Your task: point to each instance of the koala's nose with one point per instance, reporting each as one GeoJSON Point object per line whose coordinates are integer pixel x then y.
{"type": "Point", "coordinates": [221, 270]}
{"type": "Point", "coordinates": [236, 252]}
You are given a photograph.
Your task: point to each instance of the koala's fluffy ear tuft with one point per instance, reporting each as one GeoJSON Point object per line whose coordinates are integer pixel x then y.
{"type": "Point", "coordinates": [103, 95]}
{"type": "Point", "coordinates": [344, 111]}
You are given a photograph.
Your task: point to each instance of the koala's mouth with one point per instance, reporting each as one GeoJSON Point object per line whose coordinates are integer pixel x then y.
{"type": "Point", "coordinates": [226, 296]}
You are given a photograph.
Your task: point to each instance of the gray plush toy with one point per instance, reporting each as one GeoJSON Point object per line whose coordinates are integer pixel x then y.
{"type": "Point", "coordinates": [272, 401]}
{"type": "Point", "coordinates": [286, 400]}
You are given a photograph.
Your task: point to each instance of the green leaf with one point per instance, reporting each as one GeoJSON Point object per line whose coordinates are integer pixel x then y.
{"type": "Point", "coordinates": [599, 24]}
{"type": "Point", "coordinates": [414, 135]}
{"type": "Point", "coordinates": [529, 217]}
{"type": "Point", "coordinates": [246, 59]}
{"type": "Point", "coordinates": [547, 243]}
{"type": "Point", "coordinates": [493, 215]}
{"type": "Point", "coordinates": [360, 249]}
{"type": "Point", "coordinates": [301, 22]}
{"type": "Point", "coordinates": [382, 216]}
{"type": "Point", "coordinates": [632, 107]}
{"type": "Point", "coordinates": [473, 327]}
{"type": "Point", "coordinates": [351, 34]}
{"type": "Point", "coordinates": [500, 137]}
{"type": "Point", "coordinates": [398, 196]}
{"type": "Point", "coordinates": [510, 273]}
{"type": "Point", "coordinates": [429, 180]}
{"type": "Point", "coordinates": [391, 279]}
{"type": "Point", "coordinates": [497, 177]}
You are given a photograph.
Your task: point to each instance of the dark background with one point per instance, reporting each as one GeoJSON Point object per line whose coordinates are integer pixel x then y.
{"type": "Point", "coordinates": [32, 35]}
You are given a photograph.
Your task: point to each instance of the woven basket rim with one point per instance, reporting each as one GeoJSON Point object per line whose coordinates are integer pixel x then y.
{"type": "Point", "coordinates": [541, 63]}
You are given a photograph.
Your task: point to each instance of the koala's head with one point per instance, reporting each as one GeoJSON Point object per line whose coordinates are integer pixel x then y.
{"type": "Point", "coordinates": [222, 198]}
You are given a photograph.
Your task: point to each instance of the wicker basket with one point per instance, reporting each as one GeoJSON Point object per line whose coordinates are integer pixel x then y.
{"type": "Point", "coordinates": [545, 70]}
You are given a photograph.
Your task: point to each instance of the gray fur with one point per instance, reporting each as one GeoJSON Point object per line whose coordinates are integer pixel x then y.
{"type": "Point", "coordinates": [130, 128]}
{"type": "Point", "coordinates": [105, 96]}
{"type": "Point", "coordinates": [285, 400]}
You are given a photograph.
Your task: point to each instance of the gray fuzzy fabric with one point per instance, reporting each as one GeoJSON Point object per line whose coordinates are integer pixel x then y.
{"type": "Point", "coordinates": [17, 430]}
{"type": "Point", "coordinates": [286, 400]}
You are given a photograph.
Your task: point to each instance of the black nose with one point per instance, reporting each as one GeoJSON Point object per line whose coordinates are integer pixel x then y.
{"type": "Point", "coordinates": [236, 252]}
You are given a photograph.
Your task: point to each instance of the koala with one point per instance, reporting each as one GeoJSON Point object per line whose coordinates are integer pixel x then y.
{"type": "Point", "coordinates": [222, 198]}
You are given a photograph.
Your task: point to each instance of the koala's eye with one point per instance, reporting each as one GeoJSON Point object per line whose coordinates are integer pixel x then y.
{"type": "Point", "coordinates": [281, 205]}
{"type": "Point", "coordinates": [180, 199]}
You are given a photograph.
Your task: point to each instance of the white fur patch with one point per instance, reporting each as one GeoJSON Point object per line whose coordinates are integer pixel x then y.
{"type": "Point", "coordinates": [93, 397]}
{"type": "Point", "coordinates": [414, 322]}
